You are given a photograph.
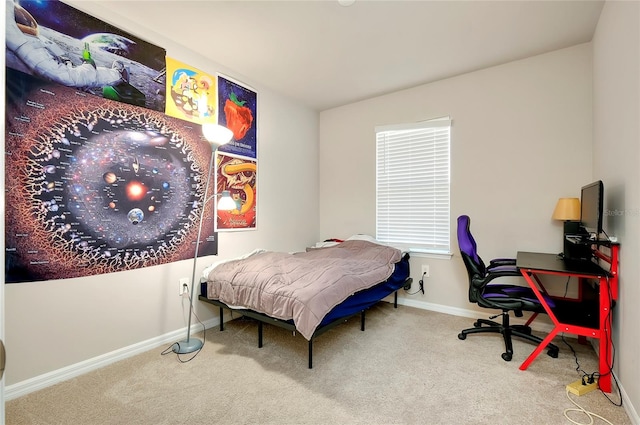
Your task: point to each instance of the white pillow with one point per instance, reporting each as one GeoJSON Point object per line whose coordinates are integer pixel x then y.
{"type": "Point", "coordinates": [205, 273]}
{"type": "Point", "coordinates": [360, 237]}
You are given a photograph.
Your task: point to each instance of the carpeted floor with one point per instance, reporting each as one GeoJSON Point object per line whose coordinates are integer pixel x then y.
{"type": "Point", "coordinates": [408, 367]}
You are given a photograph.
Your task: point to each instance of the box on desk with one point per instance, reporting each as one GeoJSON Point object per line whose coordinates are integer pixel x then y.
{"type": "Point", "coordinates": [577, 247]}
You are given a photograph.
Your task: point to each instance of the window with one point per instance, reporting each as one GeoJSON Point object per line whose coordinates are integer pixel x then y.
{"type": "Point", "coordinates": [412, 185]}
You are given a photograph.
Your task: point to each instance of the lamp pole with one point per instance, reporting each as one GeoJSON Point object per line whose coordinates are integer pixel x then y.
{"type": "Point", "coordinates": [216, 135]}
{"type": "Point", "coordinates": [190, 345]}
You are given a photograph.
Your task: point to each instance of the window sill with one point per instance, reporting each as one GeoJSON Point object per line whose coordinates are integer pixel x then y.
{"type": "Point", "coordinates": [422, 254]}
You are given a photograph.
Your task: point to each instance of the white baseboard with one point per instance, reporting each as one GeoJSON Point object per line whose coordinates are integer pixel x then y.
{"type": "Point", "coordinates": [51, 378]}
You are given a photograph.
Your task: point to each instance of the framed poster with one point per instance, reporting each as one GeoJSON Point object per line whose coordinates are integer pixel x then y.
{"type": "Point", "coordinates": [238, 176]}
{"type": "Point", "coordinates": [237, 106]}
{"type": "Point", "coordinates": [191, 93]}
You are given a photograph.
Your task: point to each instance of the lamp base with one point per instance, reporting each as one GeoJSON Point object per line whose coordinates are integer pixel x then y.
{"type": "Point", "coordinates": [187, 346]}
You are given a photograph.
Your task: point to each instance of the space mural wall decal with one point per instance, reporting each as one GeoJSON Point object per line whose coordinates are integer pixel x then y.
{"type": "Point", "coordinates": [98, 179]}
{"type": "Point", "coordinates": [95, 186]}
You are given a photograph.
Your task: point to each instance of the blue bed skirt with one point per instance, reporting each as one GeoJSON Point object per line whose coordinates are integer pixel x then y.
{"type": "Point", "coordinates": [368, 297]}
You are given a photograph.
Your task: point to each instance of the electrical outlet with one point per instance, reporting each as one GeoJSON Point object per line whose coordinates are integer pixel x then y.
{"type": "Point", "coordinates": [578, 388]}
{"type": "Point", "coordinates": [425, 270]}
{"type": "Point", "coordinates": [184, 286]}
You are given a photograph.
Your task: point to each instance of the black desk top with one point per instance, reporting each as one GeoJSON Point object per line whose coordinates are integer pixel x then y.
{"type": "Point", "coordinates": [555, 263]}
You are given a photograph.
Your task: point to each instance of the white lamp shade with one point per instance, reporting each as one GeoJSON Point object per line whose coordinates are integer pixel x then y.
{"type": "Point", "coordinates": [216, 134]}
{"type": "Point", "coordinates": [226, 202]}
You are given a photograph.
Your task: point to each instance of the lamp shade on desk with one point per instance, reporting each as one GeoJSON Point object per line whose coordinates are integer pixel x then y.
{"type": "Point", "coordinates": [567, 209]}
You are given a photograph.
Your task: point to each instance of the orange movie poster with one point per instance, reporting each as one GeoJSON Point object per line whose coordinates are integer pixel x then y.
{"type": "Point", "coordinates": [238, 176]}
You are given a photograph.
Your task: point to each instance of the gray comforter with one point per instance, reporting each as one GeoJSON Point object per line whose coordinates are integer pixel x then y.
{"type": "Point", "coordinates": [303, 286]}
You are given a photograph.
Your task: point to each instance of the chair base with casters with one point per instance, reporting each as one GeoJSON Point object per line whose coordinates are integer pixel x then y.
{"type": "Point", "coordinates": [507, 331]}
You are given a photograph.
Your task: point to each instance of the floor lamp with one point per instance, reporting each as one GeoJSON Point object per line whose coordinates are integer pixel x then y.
{"type": "Point", "coordinates": [216, 135]}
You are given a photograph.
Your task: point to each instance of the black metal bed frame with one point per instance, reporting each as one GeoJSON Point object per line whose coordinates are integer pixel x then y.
{"type": "Point", "coordinates": [263, 318]}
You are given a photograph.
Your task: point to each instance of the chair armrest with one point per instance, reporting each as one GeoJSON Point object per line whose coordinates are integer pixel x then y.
{"type": "Point", "coordinates": [502, 261]}
{"type": "Point", "coordinates": [498, 263]}
{"type": "Point", "coordinates": [504, 271]}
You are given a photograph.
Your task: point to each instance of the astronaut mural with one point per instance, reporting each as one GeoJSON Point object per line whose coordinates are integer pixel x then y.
{"type": "Point", "coordinates": [61, 44]}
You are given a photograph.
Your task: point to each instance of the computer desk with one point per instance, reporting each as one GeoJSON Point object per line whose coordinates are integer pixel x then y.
{"type": "Point", "coordinates": [588, 315]}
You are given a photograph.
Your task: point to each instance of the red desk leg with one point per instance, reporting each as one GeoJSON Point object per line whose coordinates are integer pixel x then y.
{"type": "Point", "coordinates": [529, 276]}
{"type": "Point", "coordinates": [605, 352]}
{"type": "Point", "coordinates": [539, 348]}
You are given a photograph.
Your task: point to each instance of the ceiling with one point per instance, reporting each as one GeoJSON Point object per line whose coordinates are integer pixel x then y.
{"type": "Point", "coordinates": [324, 55]}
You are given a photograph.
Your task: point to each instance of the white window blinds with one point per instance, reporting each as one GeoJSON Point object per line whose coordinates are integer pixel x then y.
{"type": "Point", "coordinates": [412, 185]}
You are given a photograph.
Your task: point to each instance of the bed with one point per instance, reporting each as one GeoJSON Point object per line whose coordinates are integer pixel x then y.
{"type": "Point", "coordinates": [307, 292]}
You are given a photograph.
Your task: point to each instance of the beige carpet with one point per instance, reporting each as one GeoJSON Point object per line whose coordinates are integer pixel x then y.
{"type": "Point", "coordinates": [408, 367]}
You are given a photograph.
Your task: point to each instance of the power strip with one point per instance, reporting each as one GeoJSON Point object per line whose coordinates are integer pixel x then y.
{"type": "Point", "coordinates": [578, 388]}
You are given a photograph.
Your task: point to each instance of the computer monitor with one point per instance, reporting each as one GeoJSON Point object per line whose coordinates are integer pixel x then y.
{"type": "Point", "coordinates": [591, 208]}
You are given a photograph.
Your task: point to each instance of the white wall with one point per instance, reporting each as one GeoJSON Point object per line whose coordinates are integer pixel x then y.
{"type": "Point", "coordinates": [521, 138]}
{"type": "Point", "coordinates": [616, 125]}
{"type": "Point", "coordinates": [51, 325]}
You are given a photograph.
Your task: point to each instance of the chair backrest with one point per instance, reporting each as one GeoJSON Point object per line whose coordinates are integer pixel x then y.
{"type": "Point", "coordinates": [476, 268]}
{"type": "Point", "coordinates": [468, 248]}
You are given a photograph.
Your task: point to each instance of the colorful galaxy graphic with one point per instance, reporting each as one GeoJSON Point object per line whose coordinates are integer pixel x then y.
{"type": "Point", "coordinates": [96, 186]}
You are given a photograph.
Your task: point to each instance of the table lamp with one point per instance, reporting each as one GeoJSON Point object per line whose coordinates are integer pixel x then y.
{"type": "Point", "coordinates": [216, 135]}
{"type": "Point", "coordinates": [568, 210]}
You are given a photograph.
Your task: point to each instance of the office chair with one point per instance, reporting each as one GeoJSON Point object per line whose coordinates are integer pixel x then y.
{"type": "Point", "coordinates": [503, 297]}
